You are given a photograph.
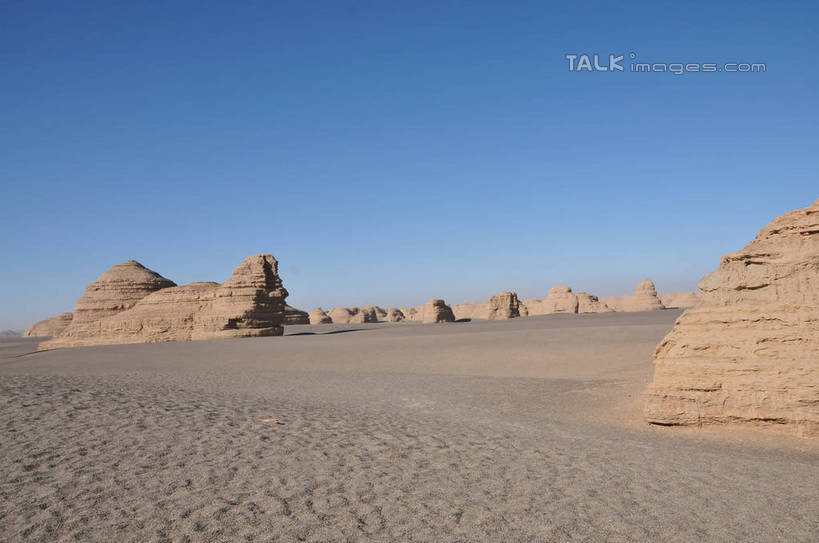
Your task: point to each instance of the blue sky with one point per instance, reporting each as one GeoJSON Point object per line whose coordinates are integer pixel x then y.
{"type": "Point", "coordinates": [390, 152]}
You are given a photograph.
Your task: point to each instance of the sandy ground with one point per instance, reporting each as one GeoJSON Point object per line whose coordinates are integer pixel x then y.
{"type": "Point", "coordinates": [523, 430]}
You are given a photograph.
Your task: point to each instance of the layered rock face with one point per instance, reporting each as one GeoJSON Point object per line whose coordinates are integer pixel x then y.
{"type": "Point", "coordinates": [589, 303]}
{"type": "Point", "coordinates": [680, 299]}
{"type": "Point", "coordinates": [295, 316]}
{"type": "Point", "coordinates": [413, 314]}
{"type": "Point", "coordinates": [748, 353]}
{"type": "Point", "coordinates": [558, 300]}
{"type": "Point", "coordinates": [393, 315]}
{"type": "Point", "coordinates": [436, 311]}
{"type": "Point", "coordinates": [504, 305]}
{"type": "Point", "coordinates": [644, 299]}
{"type": "Point", "coordinates": [250, 303]}
{"type": "Point", "coordinates": [49, 327]}
{"type": "Point", "coordinates": [319, 316]}
{"type": "Point", "coordinates": [116, 290]}
{"type": "Point", "coordinates": [474, 310]}
{"type": "Point", "coordinates": [341, 315]}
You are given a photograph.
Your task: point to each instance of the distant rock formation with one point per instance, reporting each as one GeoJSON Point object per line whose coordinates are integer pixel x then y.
{"type": "Point", "coordinates": [681, 299]}
{"type": "Point", "coordinates": [748, 353]}
{"type": "Point", "coordinates": [589, 303]}
{"type": "Point", "coordinates": [345, 315]}
{"type": "Point", "coordinates": [295, 316]}
{"type": "Point", "coordinates": [49, 327]}
{"type": "Point", "coordinates": [436, 311]}
{"type": "Point", "coordinates": [9, 334]}
{"type": "Point", "coordinates": [644, 299]}
{"type": "Point", "coordinates": [341, 315]}
{"type": "Point", "coordinates": [413, 314]}
{"type": "Point", "coordinates": [393, 315]}
{"type": "Point", "coordinates": [250, 303]}
{"type": "Point", "coordinates": [558, 300]}
{"type": "Point", "coordinates": [319, 316]}
{"type": "Point", "coordinates": [474, 310]}
{"type": "Point", "coordinates": [504, 305]}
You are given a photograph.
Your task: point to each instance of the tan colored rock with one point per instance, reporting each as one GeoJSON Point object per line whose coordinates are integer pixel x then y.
{"type": "Point", "coordinates": [559, 300]}
{"type": "Point", "coordinates": [393, 315]}
{"type": "Point", "coordinates": [250, 303]}
{"type": "Point", "coordinates": [436, 311]}
{"type": "Point", "coordinates": [319, 316]}
{"type": "Point", "coordinates": [413, 314]}
{"type": "Point", "coordinates": [748, 353]}
{"type": "Point", "coordinates": [589, 303]}
{"type": "Point", "coordinates": [295, 316]}
{"type": "Point", "coordinates": [681, 299]}
{"type": "Point", "coordinates": [372, 313]}
{"type": "Point", "coordinates": [342, 315]}
{"type": "Point", "coordinates": [474, 310]}
{"type": "Point", "coordinates": [116, 290]}
{"type": "Point", "coordinates": [504, 305]}
{"type": "Point", "coordinates": [49, 327]}
{"type": "Point", "coordinates": [644, 299]}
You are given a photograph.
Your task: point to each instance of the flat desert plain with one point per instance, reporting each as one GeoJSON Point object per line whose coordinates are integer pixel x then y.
{"type": "Point", "coordinates": [521, 430]}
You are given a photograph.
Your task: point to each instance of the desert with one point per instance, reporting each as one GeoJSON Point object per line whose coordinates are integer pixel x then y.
{"type": "Point", "coordinates": [521, 429]}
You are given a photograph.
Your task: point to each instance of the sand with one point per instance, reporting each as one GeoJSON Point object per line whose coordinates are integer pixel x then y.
{"type": "Point", "coordinates": [520, 430]}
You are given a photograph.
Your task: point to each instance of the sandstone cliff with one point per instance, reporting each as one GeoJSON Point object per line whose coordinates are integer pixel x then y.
{"type": "Point", "coordinates": [504, 305]}
{"type": "Point", "coordinates": [473, 310]}
{"type": "Point", "coordinates": [436, 311]}
{"type": "Point", "coordinates": [250, 303]}
{"type": "Point", "coordinates": [319, 316]}
{"type": "Point", "coordinates": [295, 316]}
{"type": "Point", "coordinates": [49, 327]}
{"type": "Point", "coordinates": [748, 353]}
{"type": "Point", "coordinates": [681, 299]}
{"type": "Point", "coordinates": [644, 299]}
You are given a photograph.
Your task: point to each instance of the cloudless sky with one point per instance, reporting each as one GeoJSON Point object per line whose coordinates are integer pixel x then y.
{"type": "Point", "coordinates": [391, 152]}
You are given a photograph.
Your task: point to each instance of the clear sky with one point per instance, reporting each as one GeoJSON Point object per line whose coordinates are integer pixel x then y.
{"type": "Point", "coordinates": [391, 152]}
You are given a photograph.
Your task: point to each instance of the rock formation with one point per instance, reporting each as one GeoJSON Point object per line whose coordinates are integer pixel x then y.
{"type": "Point", "coordinates": [372, 313]}
{"type": "Point", "coordinates": [9, 334]}
{"type": "Point", "coordinates": [681, 299]}
{"type": "Point", "coordinates": [342, 315]}
{"type": "Point", "coordinates": [748, 353]}
{"type": "Point", "coordinates": [319, 316]}
{"type": "Point", "coordinates": [558, 300]}
{"type": "Point", "coordinates": [393, 315]}
{"type": "Point", "coordinates": [644, 299]}
{"type": "Point", "coordinates": [295, 316]}
{"type": "Point", "coordinates": [589, 303]}
{"type": "Point", "coordinates": [474, 310]}
{"type": "Point", "coordinates": [49, 327]}
{"type": "Point", "coordinates": [436, 311]}
{"type": "Point", "coordinates": [250, 303]}
{"type": "Point", "coordinates": [504, 305]}
{"type": "Point", "coordinates": [413, 314]}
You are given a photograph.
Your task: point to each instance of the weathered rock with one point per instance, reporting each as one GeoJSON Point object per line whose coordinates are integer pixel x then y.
{"type": "Point", "coordinates": [295, 316]}
{"type": "Point", "coordinates": [116, 290]}
{"type": "Point", "coordinates": [342, 315]}
{"type": "Point", "coordinates": [504, 305]}
{"type": "Point", "coordinates": [372, 313]}
{"type": "Point", "coordinates": [589, 303]}
{"type": "Point", "coordinates": [250, 303]}
{"type": "Point", "coordinates": [558, 300]}
{"type": "Point", "coordinates": [436, 311]}
{"type": "Point", "coordinates": [474, 310]}
{"type": "Point", "coordinates": [9, 334]}
{"type": "Point", "coordinates": [644, 299]}
{"type": "Point", "coordinates": [393, 315]}
{"type": "Point", "coordinates": [681, 299]}
{"type": "Point", "coordinates": [413, 314]}
{"type": "Point", "coordinates": [49, 327]}
{"type": "Point", "coordinates": [319, 316]}
{"type": "Point", "coordinates": [748, 353]}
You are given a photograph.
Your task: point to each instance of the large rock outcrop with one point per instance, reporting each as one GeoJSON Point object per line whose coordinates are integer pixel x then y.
{"type": "Point", "coordinates": [295, 316]}
{"type": "Point", "coordinates": [319, 316]}
{"type": "Point", "coordinates": [680, 299]}
{"type": "Point", "coordinates": [558, 300]}
{"type": "Point", "coordinates": [436, 311]}
{"type": "Point", "coordinates": [504, 305]}
{"type": "Point", "coordinates": [644, 299]}
{"type": "Point", "coordinates": [250, 303]}
{"type": "Point", "coordinates": [49, 327]}
{"type": "Point", "coordinates": [748, 353]}
{"type": "Point", "coordinates": [589, 303]}
{"type": "Point", "coordinates": [393, 315]}
{"type": "Point", "coordinates": [471, 310]}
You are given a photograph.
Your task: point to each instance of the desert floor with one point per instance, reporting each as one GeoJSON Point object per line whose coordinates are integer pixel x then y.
{"type": "Point", "coordinates": [522, 430]}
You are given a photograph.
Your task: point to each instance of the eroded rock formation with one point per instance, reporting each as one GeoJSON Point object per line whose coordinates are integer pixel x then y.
{"type": "Point", "coordinates": [644, 299]}
{"type": "Point", "coordinates": [748, 353]}
{"type": "Point", "coordinates": [558, 300]}
{"type": "Point", "coordinates": [49, 327]}
{"type": "Point", "coordinates": [295, 316]}
{"type": "Point", "coordinates": [319, 316]}
{"type": "Point", "coordinates": [436, 311]}
{"type": "Point", "coordinates": [250, 303]}
{"type": "Point", "coordinates": [473, 310]}
{"type": "Point", "coordinates": [681, 299]}
{"type": "Point", "coordinates": [393, 315]}
{"type": "Point", "coordinates": [504, 305]}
